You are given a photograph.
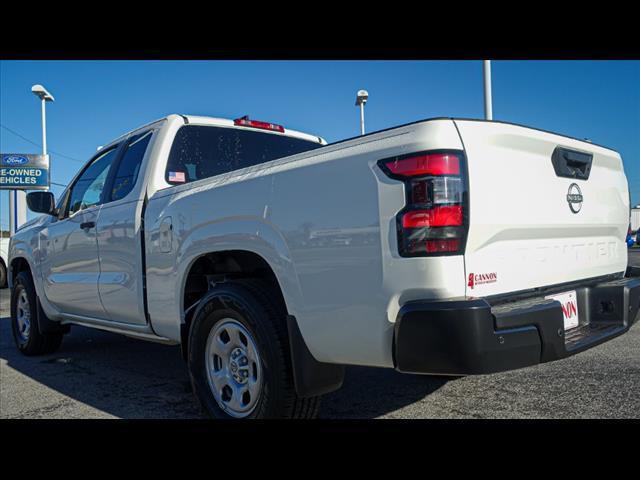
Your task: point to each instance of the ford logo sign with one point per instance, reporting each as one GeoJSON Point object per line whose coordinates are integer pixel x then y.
{"type": "Point", "coordinates": [14, 160]}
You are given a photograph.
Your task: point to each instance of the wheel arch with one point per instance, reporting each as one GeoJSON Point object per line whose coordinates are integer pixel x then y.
{"type": "Point", "coordinates": [45, 324]}
{"type": "Point", "coordinates": [219, 266]}
{"type": "Point", "coordinates": [260, 244]}
{"type": "Point", "coordinates": [17, 265]}
{"type": "Point", "coordinates": [311, 377]}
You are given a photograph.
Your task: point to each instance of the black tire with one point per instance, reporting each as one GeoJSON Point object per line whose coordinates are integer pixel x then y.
{"type": "Point", "coordinates": [35, 343]}
{"type": "Point", "coordinates": [250, 303]}
{"type": "Point", "coordinates": [3, 275]}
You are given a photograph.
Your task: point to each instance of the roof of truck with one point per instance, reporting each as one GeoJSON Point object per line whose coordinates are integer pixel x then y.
{"type": "Point", "coordinates": [221, 122]}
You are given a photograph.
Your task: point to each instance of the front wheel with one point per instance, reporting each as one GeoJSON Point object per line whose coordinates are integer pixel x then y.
{"type": "Point", "coordinates": [239, 358]}
{"type": "Point", "coordinates": [24, 320]}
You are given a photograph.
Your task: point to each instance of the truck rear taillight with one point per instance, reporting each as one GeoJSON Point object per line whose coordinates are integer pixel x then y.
{"type": "Point", "coordinates": [245, 122]}
{"type": "Point", "coordinates": [442, 216]}
{"type": "Point", "coordinates": [426, 164]}
{"type": "Point", "coordinates": [435, 218]}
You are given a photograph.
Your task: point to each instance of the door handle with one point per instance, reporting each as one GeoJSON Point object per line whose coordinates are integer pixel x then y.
{"type": "Point", "coordinates": [86, 225]}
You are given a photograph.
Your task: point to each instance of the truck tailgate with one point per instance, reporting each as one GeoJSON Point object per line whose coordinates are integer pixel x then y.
{"type": "Point", "coordinates": [544, 209]}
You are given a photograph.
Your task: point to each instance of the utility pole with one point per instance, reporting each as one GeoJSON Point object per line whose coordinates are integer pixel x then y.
{"type": "Point", "coordinates": [488, 106]}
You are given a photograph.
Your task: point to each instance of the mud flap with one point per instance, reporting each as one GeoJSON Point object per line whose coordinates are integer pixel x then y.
{"type": "Point", "coordinates": [45, 325]}
{"type": "Point", "coordinates": [311, 377]}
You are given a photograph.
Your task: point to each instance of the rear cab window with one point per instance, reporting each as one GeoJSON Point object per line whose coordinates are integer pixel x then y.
{"type": "Point", "coordinates": [206, 151]}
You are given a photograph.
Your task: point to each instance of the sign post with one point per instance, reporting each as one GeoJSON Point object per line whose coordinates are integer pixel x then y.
{"type": "Point", "coordinates": [17, 210]}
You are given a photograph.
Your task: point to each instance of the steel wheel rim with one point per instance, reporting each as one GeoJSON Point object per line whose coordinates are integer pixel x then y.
{"type": "Point", "coordinates": [234, 368]}
{"type": "Point", "coordinates": [23, 315]}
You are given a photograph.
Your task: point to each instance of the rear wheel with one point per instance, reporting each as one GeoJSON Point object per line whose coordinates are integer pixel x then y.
{"type": "Point", "coordinates": [239, 358]}
{"type": "Point", "coordinates": [24, 319]}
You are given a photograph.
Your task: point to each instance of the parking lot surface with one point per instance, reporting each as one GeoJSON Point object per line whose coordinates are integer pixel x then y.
{"type": "Point", "coordinates": [103, 375]}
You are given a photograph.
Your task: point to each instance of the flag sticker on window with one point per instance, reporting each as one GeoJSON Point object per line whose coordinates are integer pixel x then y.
{"type": "Point", "coordinates": [176, 177]}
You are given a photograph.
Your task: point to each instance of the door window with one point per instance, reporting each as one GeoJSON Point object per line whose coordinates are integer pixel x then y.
{"type": "Point", "coordinates": [87, 191]}
{"type": "Point", "coordinates": [129, 166]}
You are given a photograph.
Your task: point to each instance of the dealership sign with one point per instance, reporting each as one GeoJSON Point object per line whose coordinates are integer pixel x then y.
{"type": "Point", "coordinates": [24, 171]}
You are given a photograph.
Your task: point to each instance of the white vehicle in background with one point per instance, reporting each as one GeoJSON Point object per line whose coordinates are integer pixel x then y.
{"type": "Point", "coordinates": [4, 261]}
{"type": "Point", "coordinates": [445, 246]}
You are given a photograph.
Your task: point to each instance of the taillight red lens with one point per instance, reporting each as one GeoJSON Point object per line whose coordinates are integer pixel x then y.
{"type": "Point", "coordinates": [434, 221]}
{"type": "Point", "coordinates": [427, 164]}
{"type": "Point", "coordinates": [447, 245]}
{"type": "Point", "coordinates": [443, 216]}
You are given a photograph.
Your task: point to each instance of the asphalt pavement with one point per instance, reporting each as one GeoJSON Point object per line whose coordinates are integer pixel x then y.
{"type": "Point", "coordinates": [97, 374]}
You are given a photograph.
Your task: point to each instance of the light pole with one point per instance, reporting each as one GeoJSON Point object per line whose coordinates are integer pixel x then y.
{"type": "Point", "coordinates": [488, 106]}
{"type": "Point", "coordinates": [44, 96]}
{"type": "Point", "coordinates": [361, 99]}
{"type": "Point", "coordinates": [18, 198]}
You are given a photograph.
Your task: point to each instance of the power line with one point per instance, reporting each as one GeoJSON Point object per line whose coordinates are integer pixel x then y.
{"type": "Point", "coordinates": [38, 145]}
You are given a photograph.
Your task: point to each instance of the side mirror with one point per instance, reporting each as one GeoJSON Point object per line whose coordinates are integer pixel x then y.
{"type": "Point", "coordinates": [42, 202]}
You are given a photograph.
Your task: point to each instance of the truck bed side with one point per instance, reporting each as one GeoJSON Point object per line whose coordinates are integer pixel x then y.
{"type": "Point", "coordinates": [324, 221]}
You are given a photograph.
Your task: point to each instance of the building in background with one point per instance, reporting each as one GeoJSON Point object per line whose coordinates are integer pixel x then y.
{"type": "Point", "coordinates": [635, 218]}
{"type": "Point", "coordinates": [4, 216]}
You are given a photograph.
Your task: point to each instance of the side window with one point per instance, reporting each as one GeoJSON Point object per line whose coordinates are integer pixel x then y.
{"type": "Point", "coordinates": [200, 151]}
{"type": "Point", "coordinates": [87, 191]}
{"type": "Point", "coordinates": [129, 167]}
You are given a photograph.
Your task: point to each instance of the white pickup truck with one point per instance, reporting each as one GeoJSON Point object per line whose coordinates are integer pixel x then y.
{"type": "Point", "coordinates": [445, 247]}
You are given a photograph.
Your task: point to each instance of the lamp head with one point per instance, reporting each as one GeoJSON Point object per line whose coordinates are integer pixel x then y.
{"type": "Point", "coordinates": [361, 97]}
{"type": "Point", "coordinates": [42, 93]}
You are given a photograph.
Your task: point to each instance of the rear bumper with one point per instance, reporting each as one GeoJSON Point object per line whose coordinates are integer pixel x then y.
{"type": "Point", "coordinates": [470, 336]}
